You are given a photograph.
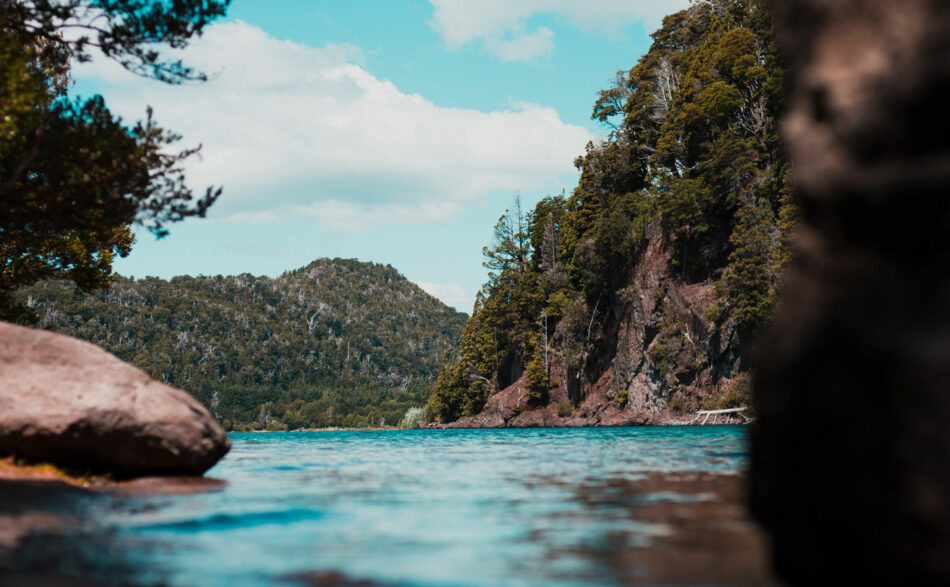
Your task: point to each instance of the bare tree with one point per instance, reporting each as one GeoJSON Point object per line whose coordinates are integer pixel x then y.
{"type": "Point", "coordinates": [666, 82]}
{"type": "Point", "coordinates": [312, 321]}
{"type": "Point", "coordinates": [550, 255]}
{"type": "Point", "coordinates": [753, 117]}
{"type": "Point", "coordinates": [543, 323]}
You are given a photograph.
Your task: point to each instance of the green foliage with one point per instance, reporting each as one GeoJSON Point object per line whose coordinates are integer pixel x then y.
{"type": "Point", "coordinates": [536, 378]}
{"type": "Point", "coordinates": [73, 177]}
{"type": "Point", "coordinates": [448, 398]}
{"type": "Point", "coordinates": [673, 351]}
{"type": "Point", "coordinates": [788, 215]}
{"type": "Point", "coordinates": [574, 343]}
{"type": "Point", "coordinates": [622, 396]}
{"type": "Point", "coordinates": [747, 278]}
{"type": "Point", "coordinates": [512, 244]}
{"type": "Point", "coordinates": [564, 409]}
{"type": "Point", "coordinates": [664, 354]}
{"type": "Point", "coordinates": [335, 343]}
{"type": "Point", "coordinates": [682, 402]}
{"type": "Point", "coordinates": [737, 393]}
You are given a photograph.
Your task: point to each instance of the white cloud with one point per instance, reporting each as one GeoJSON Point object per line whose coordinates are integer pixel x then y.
{"type": "Point", "coordinates": [523, 47]}
{"type": "Point", "coordinates": [291, 129]}
{"type": "Point", "coordinates": [247, 217]}
{"type": "Point", "coordinates": [451, 294]}
{"type": "Point", "coordinates": [357, 216]}
{"type": "Point", "coordinates": [501, 24]}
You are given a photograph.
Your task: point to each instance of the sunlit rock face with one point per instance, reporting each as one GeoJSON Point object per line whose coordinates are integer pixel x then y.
{"type": "Point", "coordinates": [628, 358]}
{"type": "Point", "coordinates": [69, 402]}
{"type": "Point", "coordinates": [851, 450]}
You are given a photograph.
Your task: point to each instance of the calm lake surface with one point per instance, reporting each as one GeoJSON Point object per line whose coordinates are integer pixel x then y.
{"type": "Point", "coordinates": [427, 507]}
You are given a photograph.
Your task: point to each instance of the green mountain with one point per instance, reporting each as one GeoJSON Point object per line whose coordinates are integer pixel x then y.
{"type": "Point", "coordinates": [336, 343]}
{"type": "Point", "coordinates": [640, 293]}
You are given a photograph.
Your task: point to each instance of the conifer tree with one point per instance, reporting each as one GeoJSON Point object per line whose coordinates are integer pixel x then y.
{"type": "Point", "coordinates": [748, 279]}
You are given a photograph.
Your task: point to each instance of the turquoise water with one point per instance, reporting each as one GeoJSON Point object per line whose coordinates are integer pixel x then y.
{"type": "Point", "coordinates": [465, 507]}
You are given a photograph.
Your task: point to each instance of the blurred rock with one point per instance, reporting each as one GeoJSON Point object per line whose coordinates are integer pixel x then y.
{"type": "Point", "coordinates": [850, 468]}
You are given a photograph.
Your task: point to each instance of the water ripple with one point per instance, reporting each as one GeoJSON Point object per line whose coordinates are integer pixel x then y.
{"type": "Point", "coordinates": [430, 507]}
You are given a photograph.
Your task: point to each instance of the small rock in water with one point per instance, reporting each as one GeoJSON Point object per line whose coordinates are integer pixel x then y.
{"type": "Point", "coordinates": [71, 403]}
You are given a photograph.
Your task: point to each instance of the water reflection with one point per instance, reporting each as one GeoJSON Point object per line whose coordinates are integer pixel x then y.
{"type": "Point", "coordinates": [55, 534]}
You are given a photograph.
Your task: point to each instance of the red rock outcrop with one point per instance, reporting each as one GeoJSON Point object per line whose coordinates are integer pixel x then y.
{"type": "Point", "coordinates": [661, 352]}
{"type": "Point", "coordinates": [70, 403]}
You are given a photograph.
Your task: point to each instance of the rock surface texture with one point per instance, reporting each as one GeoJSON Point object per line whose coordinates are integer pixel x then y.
{"type": "Point", "coordinates": [850, 467]}
{"type": "Point", "coordinates": [657, 347]}
{"type": "Point", "coordinates": [69, 402]}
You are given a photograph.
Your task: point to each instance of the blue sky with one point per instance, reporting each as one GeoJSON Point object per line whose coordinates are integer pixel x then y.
{"type": "Point", "coordinates": [389, 131]}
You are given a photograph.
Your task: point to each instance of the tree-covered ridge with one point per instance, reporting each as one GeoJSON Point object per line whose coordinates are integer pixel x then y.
{"type": "Point", "coordinates": [692, 158]}
{"type": "Point", "coordinates": [342, 335]}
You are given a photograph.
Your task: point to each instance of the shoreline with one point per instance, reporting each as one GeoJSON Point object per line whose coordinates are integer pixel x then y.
{"type": "Point", "coordinates": [374, 429]}
{"type": "Point", "coordinates": [450, 426]}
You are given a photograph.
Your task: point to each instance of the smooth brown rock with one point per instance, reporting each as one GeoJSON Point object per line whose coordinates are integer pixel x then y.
{"type": "Point", "coordinates": [850, 462]}
{"type": "Point", "coordinates": [71, 403]}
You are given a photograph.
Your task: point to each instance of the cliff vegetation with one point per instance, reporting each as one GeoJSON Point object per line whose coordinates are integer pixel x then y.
{"type": "Point", "coordinates": [640, 291]}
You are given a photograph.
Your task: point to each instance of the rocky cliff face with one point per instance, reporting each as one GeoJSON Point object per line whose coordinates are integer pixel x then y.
{"type": "Point", "coordinates": [664, 352]}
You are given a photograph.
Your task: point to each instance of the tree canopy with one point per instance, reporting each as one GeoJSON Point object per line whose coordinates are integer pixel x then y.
{"type": "Point", "coordinates": [73, 177]}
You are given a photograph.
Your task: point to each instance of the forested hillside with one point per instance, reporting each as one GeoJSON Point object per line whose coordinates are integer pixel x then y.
{"type": "Point", "coordinates": [335, 343]}
{"type": "Point", "coordinates": [640, 291]}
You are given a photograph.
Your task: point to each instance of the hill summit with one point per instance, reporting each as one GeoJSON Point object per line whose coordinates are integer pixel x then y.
{"type": "Point", "coordinates": [338, 342]}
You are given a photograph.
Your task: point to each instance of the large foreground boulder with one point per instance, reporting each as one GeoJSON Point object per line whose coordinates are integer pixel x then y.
{"type": "Point", "coordinates": [850, 466]}
{"type": "Point", "coordinates": [71, 403]}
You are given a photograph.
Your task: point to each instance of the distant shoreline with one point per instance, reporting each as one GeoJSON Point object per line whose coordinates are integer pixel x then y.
{"type": "Point", "coordinates": [330, 429]}
{"type": "Point", "coordinates": [448, 427]}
